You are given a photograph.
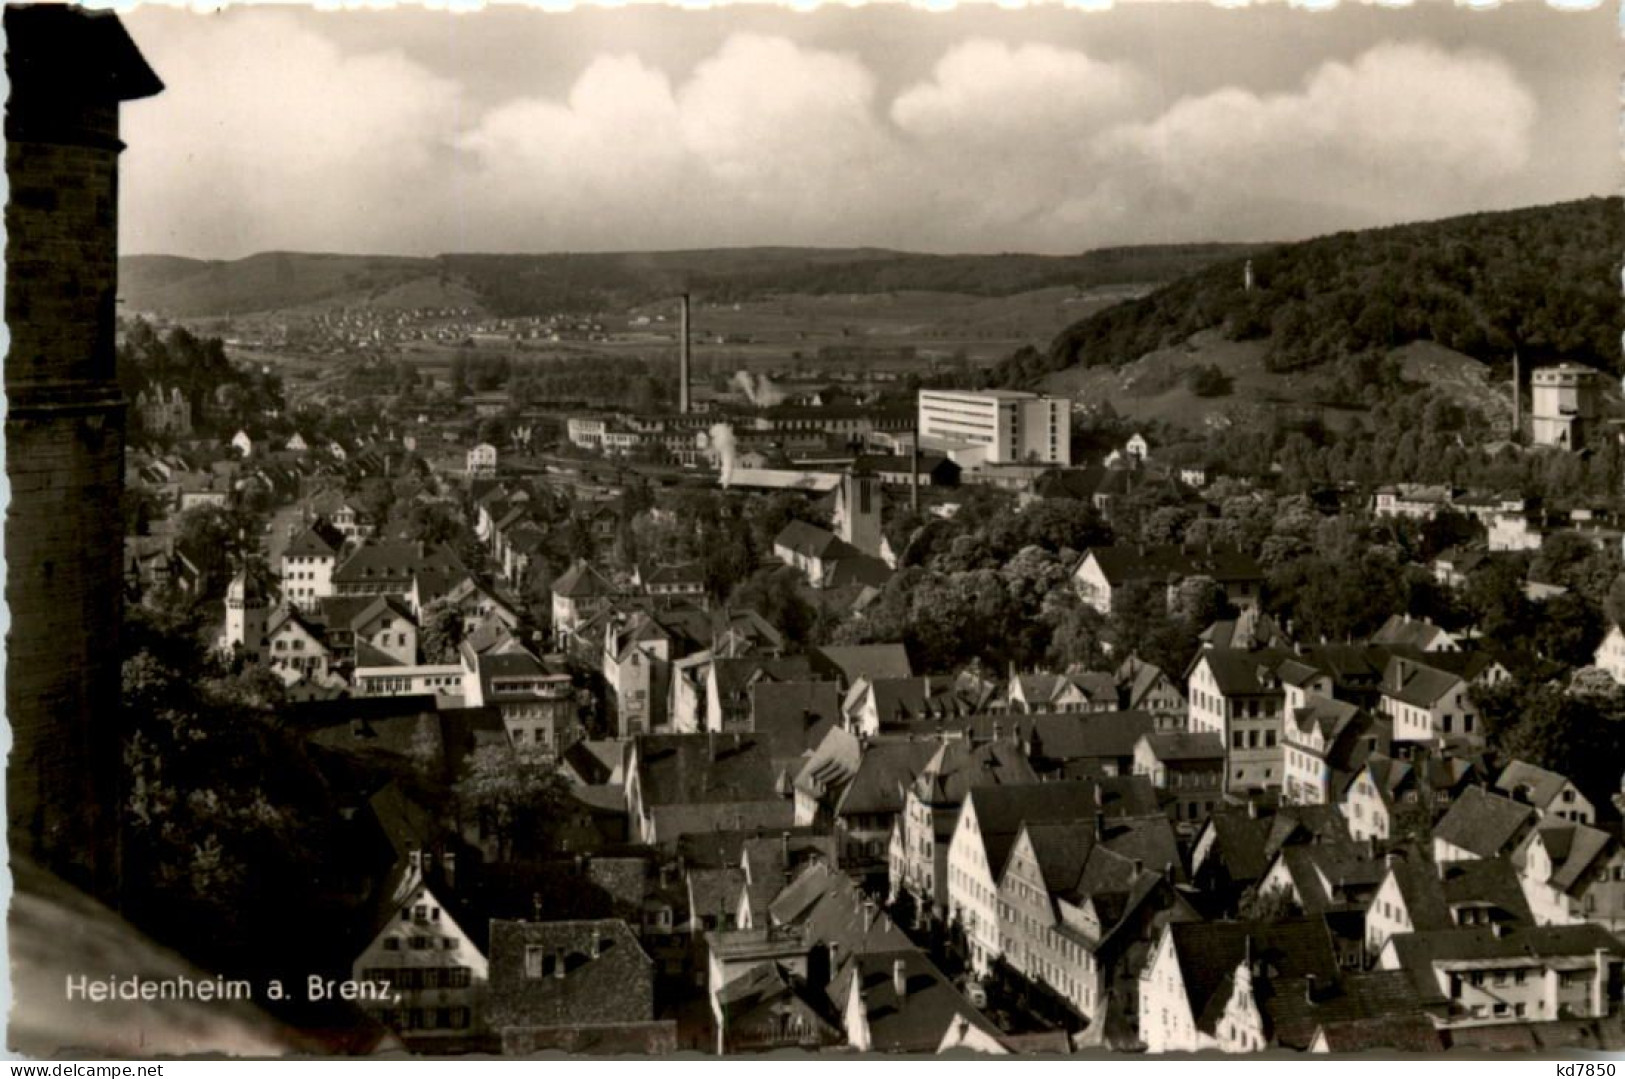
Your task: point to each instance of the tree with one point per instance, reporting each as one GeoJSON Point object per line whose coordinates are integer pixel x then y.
{"type": "Point", "coordinates": [442, 633]}
{"type": "Point", "coordinates": [216, 538]}
{"type": "Point", "coordinates": [1614, 604]}
{"type": "Point", "coordinates": [1208, 380]}
{"type": "Point", "coordinates": [513, 794]}
{"type": "Point", "coordinates": [775, 594]}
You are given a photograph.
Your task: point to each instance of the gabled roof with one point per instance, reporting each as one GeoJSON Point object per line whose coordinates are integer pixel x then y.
{"type": "Point", "coordinates": [1382, 1003]}
{"type": "Point", "coordinates": [736, 677]}
{"type": "Point", "coordinates": [899, 700]}
{"type": "Point", "coordinates": [1088, 736]}
{"type": "Point", "coordinates": [1573, 850]}
{"type": "Point", "coordinates": [810, 541]}
{"type": "Point", "coordinates": [703, 769]}
{"type": "Point", "coordinates": [1402, 629]}
{"type": "Point", "coordinates": [319, 539]}
{"type": "Point", "coordinates": [884, 774]}
{"type": "Point", "coordinates": [918, 1020]}
{"type": "Point", "coordinates": [1331, 876]}
{"type": "Point", "coordinates": [1417, 953]}
{"type": "Point", "coordinates": [871, 661]}
{"type": "Point", "coordinates": [1001, 811]}
{"type": "Point", "coordinates": [1540, 787]}
{"type": "Point", "coordinates": [1251, 629]}
{"type": "Point", "coordinates": [1410, 681]}
{"type": "Point", "coordinates": [959, 765]}
{"type": "Point", "coordinates": [1185, 745]}
{"type": "Point", "coordinates": [1210, 952]}
{"type": "Point", "coordinates": [1482, 823]}
{"type": "Point", "coordinates": [1238, 672]}
{"type": "Point", "coordinates": [794, 716]}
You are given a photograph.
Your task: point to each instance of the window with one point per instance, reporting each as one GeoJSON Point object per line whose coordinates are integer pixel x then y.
{"type": "Point", "coordinates": [392, 944]}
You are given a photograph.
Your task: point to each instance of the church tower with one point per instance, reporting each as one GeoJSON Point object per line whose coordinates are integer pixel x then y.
{"type": "Point", "coordinates": [857, 513]}
{"type": "Point", "coordinates": [248, 611]}
{"type": "Point", "coordinates": [65, 426]}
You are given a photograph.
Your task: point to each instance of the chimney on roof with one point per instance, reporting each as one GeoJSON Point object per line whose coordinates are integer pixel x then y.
{"type": "Point", "coordinates": [558, 963]}
{"type": "Point", "coordinates": [1100, 825]}
{"type": "Point", "coordinates": [596, 947]}
{"type": "Point", "coordinates": [1309, 988]}
{"type": "Point", "coordinates": [536, 906]}
{"type": "Point", "coordinates": [868, 915]}
{"type": "Point", "coordinates": [784, 848]}
{"type": "Point", "coordinates": [448, 868]}
{"type": "Point", "coordinates": [899, 978]}
{"type": "Point", "coordinates": [1139, 867]}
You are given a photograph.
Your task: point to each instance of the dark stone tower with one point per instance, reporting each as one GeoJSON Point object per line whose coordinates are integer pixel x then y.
{"type": "Point", "coordinates": [69, 71]}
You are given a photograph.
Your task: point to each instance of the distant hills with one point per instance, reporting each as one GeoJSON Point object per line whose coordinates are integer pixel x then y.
{"type": "Point", "coordinates": [1543, 280]}
{"type": "Point", "coordinates": [516, 285]}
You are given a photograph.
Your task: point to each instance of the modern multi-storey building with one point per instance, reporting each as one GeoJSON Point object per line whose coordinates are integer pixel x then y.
{"type": "Point", "coordinates": [977, 427]}
{"type": "Point", "coordinates": [1565, 401]}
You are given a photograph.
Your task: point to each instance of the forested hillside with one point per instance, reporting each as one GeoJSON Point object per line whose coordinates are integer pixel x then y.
{"type": "Point", "coordinates": [518, 285]}
{"type": "Point", "coordinates": [1543, 280]}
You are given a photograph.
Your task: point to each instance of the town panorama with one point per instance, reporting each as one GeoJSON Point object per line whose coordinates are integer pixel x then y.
{"type": "Point", "coordinates": [1209, 646]}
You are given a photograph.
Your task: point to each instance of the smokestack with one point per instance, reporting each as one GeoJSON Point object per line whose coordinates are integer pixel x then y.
{"type": "Point", "coordinates": [1517, 396]}
{"type": "Point", "coordinates": [682, 357]}
{"type": "Point", "coordinates": [899, 978]}
{"type": "Point", "coordinates": [914, 473]}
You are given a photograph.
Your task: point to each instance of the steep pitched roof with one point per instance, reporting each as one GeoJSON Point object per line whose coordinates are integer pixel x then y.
{"type": "Point", "coordinates": [810, 541]}
{"type": "Point", "coordinates": [958, 765]}
{"type": "Point", "coordinates": [1002, 811]}
{"type": "Point", "coordinates": [1089, 736]}
{"type": "Point", "coordinates": [1540, 787]}
{"type": "Point", "coordinates": [1384, 1003]}
{"type": "Point", "coordinates": [1482, 823]}
{"type": "Point", "coordinates": [1185, 745]}
{"type": "Point", "coordinates": [1418, 952]}
{"type": "Point", "coordinates": [702, 769]}
{"type": "Point", "coordinates": [1573, 849]}
{"type": "Point", "coordinates": [883, 777]}
{"type": "Point", "coordinates": [918, 1019]}
{"type": "Point", "coordinates": [871, 661]}
{"type": "Point", "coordinates": [1210, 952]}
{"type": "Point", "coordinates": [319, 539]}
{"type": "Point", "coordinates": [1241, 673]}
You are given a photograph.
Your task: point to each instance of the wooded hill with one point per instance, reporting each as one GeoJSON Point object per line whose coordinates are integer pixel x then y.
{"type": "Point", "coordinates": [1544, 280]}
{"type": "Point", "coordinates": [517, 285]}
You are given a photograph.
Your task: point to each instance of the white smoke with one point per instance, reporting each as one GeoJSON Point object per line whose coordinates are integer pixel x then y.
{"type": "Point", "coordinates": [722, 440]}
{"type": "Point", "coordinates": [759, 389]}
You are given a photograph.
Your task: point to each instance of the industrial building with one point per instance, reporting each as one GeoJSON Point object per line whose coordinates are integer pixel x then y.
{"type": "Point", "coordinates": [1565, 404]}
{"type": "Point", "coordinates": [981, 427]}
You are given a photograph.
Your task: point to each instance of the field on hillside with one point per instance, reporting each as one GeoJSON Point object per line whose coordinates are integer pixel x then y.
{"type": "Point", "coordinates": [1154, 387]}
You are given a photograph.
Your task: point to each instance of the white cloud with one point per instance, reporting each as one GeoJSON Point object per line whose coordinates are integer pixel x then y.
{"type": "Point", "coordinates": [267, 135]}
{"type": "Point", "coordinates": [987, 91]}
{"type": "Point", "coordinates": [766, 141]}
{"type": "Point", "coordinates": [1403, 129]}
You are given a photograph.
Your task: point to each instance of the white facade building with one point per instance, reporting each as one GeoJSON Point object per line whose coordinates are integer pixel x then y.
{"type": "Point", "coordinates": [977, 427]}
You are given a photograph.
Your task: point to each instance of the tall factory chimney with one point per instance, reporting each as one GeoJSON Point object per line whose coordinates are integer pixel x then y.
{"type": "Point", "coordinates": [69, 70]}
{"type": "Point", "coordinates": [1517, 397]}
{"type": "Point", "coordinates": [682, 357]}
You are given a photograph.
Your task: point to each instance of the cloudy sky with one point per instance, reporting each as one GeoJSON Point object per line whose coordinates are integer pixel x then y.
{"type": "Point", "coordinates": [979, 129]}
